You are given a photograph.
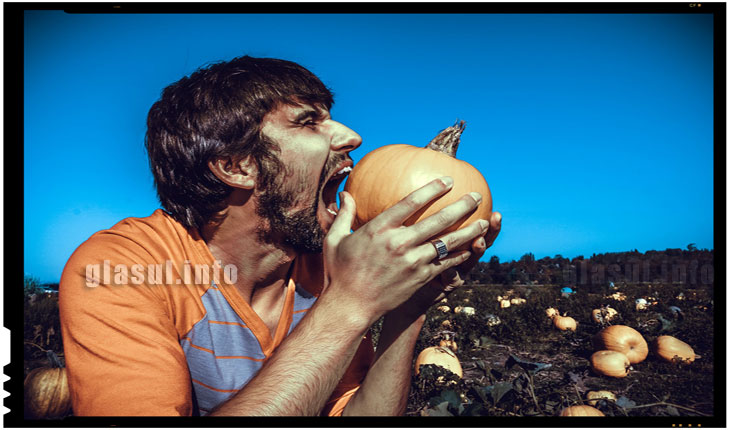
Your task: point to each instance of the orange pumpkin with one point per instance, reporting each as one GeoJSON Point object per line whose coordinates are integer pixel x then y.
{"type": "Point", "coordinates": [386, 175]}
{"type": "Point", "coordinates": [46, 394]}
{"type": "Point", "coordinates": [668, 347]}
{"type": "Point", "coordinates": [610, 363]}
{"type": "Point", "coordinates": [439, 356]}
{"type": "Point", "coordinates": [581, 411]}
{"type": "Point", "coordinates": [623, 339]}
{"type": "Point", "coordinates": [564, 323]}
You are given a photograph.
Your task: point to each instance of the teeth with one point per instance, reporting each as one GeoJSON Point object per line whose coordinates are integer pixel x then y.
{"type": "Point", "coordinates": [331, 211]}
{"type": "Point", "coordinates": [347, 169]}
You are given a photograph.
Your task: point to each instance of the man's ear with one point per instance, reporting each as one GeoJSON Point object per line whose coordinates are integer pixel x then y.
{"type": "Point", "coordinates": [236, 172]}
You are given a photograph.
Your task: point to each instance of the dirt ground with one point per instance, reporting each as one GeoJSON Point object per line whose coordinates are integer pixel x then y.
{"type": "Point", "coordinates": [524, 366]}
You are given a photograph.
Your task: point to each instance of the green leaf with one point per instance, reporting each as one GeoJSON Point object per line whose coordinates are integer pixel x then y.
{"type": "Point", "coordinates": [672, 411]}
{"type": "Point", "coordinates": [441, 410]}
{"type": "Point", "coordinates": [666, 324]}
{"type": "Point", "coordinates": [448, 396]}
{"type": "Point", "coordinates": [527, 366]}
{"type": "Point", "coordinates": [473, 410]}
{"type": "Point", "coordinates": [624, 402]}
{"type": "Point", "coordinates": [499, 390]}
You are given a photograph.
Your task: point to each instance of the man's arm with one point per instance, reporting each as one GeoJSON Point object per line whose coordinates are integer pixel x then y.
{"type": "Point", "coordinates": [367, 273]}
{"type": "Point", "coordinates": [385, 389]}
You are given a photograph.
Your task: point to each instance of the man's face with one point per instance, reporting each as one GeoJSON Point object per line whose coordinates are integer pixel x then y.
{"type": "Point", "coordinates": [298, 208]}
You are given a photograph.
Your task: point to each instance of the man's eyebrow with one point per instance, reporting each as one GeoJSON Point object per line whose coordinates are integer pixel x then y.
{"type": "Point", "coordinates": [308, 114]}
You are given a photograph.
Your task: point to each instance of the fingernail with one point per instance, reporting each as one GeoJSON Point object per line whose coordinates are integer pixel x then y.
{"type": "Point", "coordinates": [447, 180]}
{"type": "Point", "coordinates": [481, 243]}
{"type": "Point", "coordinates": [476, 196]}
{"type": "Point", "coordinates": [484, 225]}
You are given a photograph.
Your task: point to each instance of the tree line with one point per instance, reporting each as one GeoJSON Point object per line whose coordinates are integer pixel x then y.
{"type": "Point", "coordinates": [689, 266]}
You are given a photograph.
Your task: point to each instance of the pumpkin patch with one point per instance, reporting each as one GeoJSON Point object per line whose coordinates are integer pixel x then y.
{"type": "Point", "coordinates": [526, 366]}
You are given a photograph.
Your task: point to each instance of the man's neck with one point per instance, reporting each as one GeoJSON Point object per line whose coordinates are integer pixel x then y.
{"type": "Point", "coordinates": [262, 268]}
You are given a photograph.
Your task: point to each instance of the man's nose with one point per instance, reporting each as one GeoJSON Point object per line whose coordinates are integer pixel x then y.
{"type": "Point", "coordinates": [344, 138]}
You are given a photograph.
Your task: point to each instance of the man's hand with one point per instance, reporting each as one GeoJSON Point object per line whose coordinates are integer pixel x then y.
{"type": "Point", "coordinates": [382, 264]}
{"type": "Point", "coordinates": [451, 279]}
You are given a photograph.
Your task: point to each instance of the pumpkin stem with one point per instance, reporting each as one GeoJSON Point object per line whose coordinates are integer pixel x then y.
{"type": "Point", "coordinates": [447, 141]}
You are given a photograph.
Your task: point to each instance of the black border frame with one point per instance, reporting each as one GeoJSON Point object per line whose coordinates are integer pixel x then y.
{"type": "Point", "coordinates": [13, 165]}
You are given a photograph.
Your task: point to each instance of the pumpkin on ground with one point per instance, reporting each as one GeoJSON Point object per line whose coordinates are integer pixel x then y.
{"type": "Point", "coordinates": [386, 175]}
{"type": "Point", "coordinates": [581, 411]}
{"type": "Point", "coordinates": [466, 310]}
{"type": "Point", "coordinates": [594, 396]}
{"type": "Point", "coordinates": [564, 323]}
{"type": "Point", "coordinates": [603, 315]}
{"type": "Point", "coordinates": [444, 308]}
{"type": "Point", "coordinates": [439, 356]}
{"type": "Point", "coordinates": [610, 363]}
{"type": "Point", "coordinates": [504, 304]}
{"type": "Point", "coordinates": [669, 347]}
{"type": "Point", "coordinates": [493, 320]}
{"type": "Point", "coordinates": [46, 394]}
{"type": "Point", "coordinates": [551, 312]}
{"type": "Point", "coordinates": [623, 339]}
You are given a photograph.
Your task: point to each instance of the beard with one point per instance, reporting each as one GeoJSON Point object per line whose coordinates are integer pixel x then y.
{"type": "Point", "coordinates": [300, 229]}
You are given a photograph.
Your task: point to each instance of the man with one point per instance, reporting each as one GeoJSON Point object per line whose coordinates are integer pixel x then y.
{"type": "Point", "coordinates": [247, 161]}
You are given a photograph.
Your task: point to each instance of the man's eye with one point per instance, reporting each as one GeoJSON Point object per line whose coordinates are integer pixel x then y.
{"type": "Point", "coordinates": [310, 123]}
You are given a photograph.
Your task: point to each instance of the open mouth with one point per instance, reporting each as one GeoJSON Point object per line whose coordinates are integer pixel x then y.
{"type": "Point", "coordinates": [329, 191]}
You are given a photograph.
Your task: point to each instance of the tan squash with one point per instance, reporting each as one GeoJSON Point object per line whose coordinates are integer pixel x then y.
{"type": "Point", "coordinates": [439, 356]}
{"type": "Point", "coordinates": [564, 323]}
{"type": "Point", "coordinates": [581, 411]}
{"type": "Point", "coordinates": [444, 309]}
{"type": "Point", "coordinates": [466, 310]}
{"type": "Point", "coordinates": [504, 304]}
{"type": "Point", "coordinates": [594, 396]}
{"type": "Point", "coordinates": [603, 315]}
{"type": "Point", "coordinates": [623, 339]}
{"type": "Point", "coordinates": [46, 394]}
{"type": "Point", "coordinates": [669, 347]}
{"type": "Point", "coordinates": [388, 174]}
{"type": "Point", "coordinates": [551, 312]}
{"type": "Point", "coordinates": [610, 363]}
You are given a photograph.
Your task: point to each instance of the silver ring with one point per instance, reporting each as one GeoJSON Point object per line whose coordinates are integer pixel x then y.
{"type": "Point", "coordinates": [441, 248]}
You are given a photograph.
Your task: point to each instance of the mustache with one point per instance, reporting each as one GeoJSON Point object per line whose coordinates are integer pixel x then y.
{"type": "Point", "coordinates": [336, 160]}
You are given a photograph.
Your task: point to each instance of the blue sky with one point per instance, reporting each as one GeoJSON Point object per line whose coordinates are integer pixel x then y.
{"type": "Point", "coordinates": [594, 132]}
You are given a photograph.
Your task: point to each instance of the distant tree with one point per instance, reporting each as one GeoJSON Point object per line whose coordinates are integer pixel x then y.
{"type": "Point", "coordinates": [691, 247]}
{"type": "Point", "coordinates": [31, 285]}
{"type": "Point", "coordinates": [496, 270]}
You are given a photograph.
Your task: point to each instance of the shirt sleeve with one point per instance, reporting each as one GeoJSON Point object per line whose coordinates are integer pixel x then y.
{"type": "Point", "coordinates": [120, 344]}
{"type": "Point", "coordinates": [350, 382]}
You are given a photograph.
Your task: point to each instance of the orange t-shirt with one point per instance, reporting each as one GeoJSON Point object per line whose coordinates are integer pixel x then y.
{"type": "Point", "coordinates": [145, 333]}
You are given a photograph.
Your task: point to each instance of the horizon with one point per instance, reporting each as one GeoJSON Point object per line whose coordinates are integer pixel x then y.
{"type": "Point", "coordinates": [593, 131]}
{"type": "Point", "coordinates": [514, 260]}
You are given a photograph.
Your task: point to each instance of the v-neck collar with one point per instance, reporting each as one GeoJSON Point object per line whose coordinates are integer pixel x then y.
{"type": "Point", "coordinates": [268, 341]}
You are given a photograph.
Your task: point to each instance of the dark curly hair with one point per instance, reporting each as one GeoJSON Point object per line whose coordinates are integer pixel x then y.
{"type": "Point", "coordinates": [217, 112]}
